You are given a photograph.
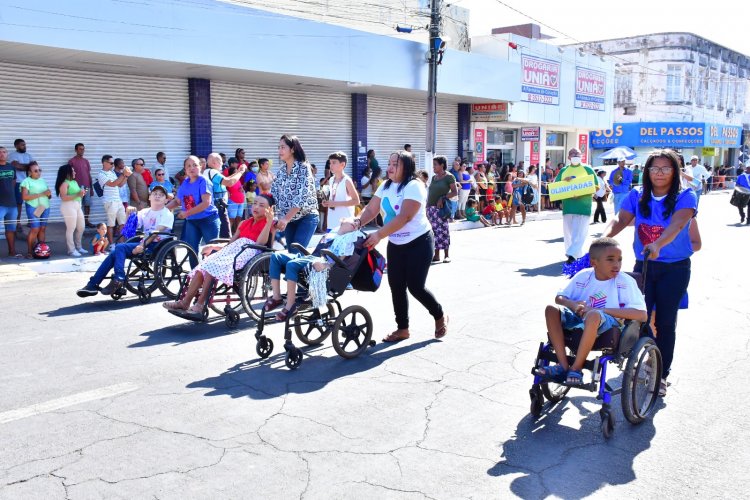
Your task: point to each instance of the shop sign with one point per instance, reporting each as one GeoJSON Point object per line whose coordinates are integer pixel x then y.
{"type": "Point", "coordinates": [583, 146]}
{"type": "Point", "coordinates": [534, 157]}
{"type": "Point", "coordinates": [489, 112]}
{"type": "Point", "coordinates": [723, 136]}
{"type": "Point", "coordinates": [591, 89]}
{"type": "Point", "coordinates": [540, 81]}
{"type": "Point", "coordinates": [479, 144]}
{"type": "Point", "coordinates": [580, 186]}
{"type": "Point", "coordinates": [529, 134]}
{"type": "Point", "coordinates": [709, 152]}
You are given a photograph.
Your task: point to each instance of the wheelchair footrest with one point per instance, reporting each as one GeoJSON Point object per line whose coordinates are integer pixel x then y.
{"type": "Point", "coordinates": [181, 313]}
{"type": "Point", "coordinates": [552, 358]}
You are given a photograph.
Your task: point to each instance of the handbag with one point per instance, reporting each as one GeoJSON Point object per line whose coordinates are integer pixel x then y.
{"type": "Point", "coordinates": [369, 275]}
{"type": "Point", "coordinates": [445, 212]}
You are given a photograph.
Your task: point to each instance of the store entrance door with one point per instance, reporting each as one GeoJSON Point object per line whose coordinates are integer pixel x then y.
{"type": "Point", "coordinates": [501, 156]}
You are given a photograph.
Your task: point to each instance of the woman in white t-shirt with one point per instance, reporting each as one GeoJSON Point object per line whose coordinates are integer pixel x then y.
{"type": "Point", "coordinates": [411, 244]}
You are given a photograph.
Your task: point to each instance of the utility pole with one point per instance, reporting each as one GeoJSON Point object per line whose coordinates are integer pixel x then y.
{"type": "Point", "coordinates": [436, 45]}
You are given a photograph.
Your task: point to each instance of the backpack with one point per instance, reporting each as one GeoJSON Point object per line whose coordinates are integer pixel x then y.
{"type": "Point", "coordinates": [98, 189]}
{"type": "Point", "coordinates": [527, 197]}
{"type": "Point", "coordinates": [370, 273]}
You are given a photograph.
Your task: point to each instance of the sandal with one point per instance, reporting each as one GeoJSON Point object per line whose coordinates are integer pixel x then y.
{"type": "Point", "coordinates": [552, 373]}
{"type": "Point", "coordinates": [440, 332]}
{"type": "Point", "coordinates": [396, 337]}
{"type": "Point", "coordinates": [574, 378]}
{"type": "Point", "coordinates": [18, 256]}
{"type": "Point", "coordinates": [663, 387]}
{"type": "Point", "coordinates": [272, 304]}
{"type": "Point", "coordinates": [174, 305]}
{"type": "Point", "coordinates": [447, 260]}
{"type": "Point", "coordinates": [286, 313]}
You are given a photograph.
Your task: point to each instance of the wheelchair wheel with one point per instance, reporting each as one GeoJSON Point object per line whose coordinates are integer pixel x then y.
{"type": "Point", "coordinates": [293, 358]}
{"type": "Point", "coordinates": [313, 327]}
{"type": "Point", "coordinates": [640, 381]}
{"type": "Point", "coordinates": [139, 276]}
{"type": "Point", "coordinates": [608, 422]}
{"type": "Point", "coordinates": [171, 263]}
{"type": "Point", "coordinates": [554, 392]}
{"type": "Point", "coordinates": [231, 317]}
{"type": "Point", "coordinates": [264, 347]}
{"type": "Point", "coordinates": [537, 401]}
{"type": "Point", "coordinates": [352, 330]}
{"type": "Point", "coordinates": [255, 285]}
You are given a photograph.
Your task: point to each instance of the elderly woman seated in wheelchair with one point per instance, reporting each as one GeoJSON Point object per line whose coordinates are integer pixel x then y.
{"type": "Point", "coordinates": [222, 261]}
{"type": "Point", "coordinates": [601, 309]}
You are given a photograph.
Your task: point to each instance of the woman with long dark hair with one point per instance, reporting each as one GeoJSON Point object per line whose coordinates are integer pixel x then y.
{"type": "Point", "coordinates": [663, 212]}
{"type": "Point", "coordinates": [442, 187]}
{"type": "Point", "coordinates": [71, 194]}
{"type": "Point", "coordinates": [411, 245]}
{"type": "Point", "coordinates": [294, 191]}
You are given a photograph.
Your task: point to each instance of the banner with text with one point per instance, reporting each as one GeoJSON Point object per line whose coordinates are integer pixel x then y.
{"type": "Point", "coordinates": [540, 81]}
{"type": "Point", "coordinates": [583, 146]}
{"type": "Point", "coordinates": [489, 112]}
{"type": "Point", "coordinates": [579, 186]}
{"type": "Point", "coordinates": [591, 89]}
{"type": "Point", "coordinates": [479, 145]}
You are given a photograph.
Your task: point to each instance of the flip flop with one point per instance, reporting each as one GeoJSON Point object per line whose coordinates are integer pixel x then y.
{"type": "Point", "coordinates": [18, 256]}
{"type": "Point", "coordinates": [443, 330]}
{"type": "Point", "coordinates": [173, 305]}
{"type": "Point", "coordinates": [396, 337]}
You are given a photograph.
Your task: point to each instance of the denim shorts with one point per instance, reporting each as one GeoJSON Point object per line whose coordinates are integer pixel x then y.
{"type": "Point", "coordinates": [8, 215]}
{"type": "Point", "coordinates": [235, 209]}
{"type": "Point", "coordinates": [571, 321]}
{"type": "Point", "coordinates": [35, 221]}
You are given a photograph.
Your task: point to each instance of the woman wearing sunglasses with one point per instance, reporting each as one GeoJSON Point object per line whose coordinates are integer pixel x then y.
{"type": "Point", "coordinates": [36, 194]}
{"type": "Point", "coordinates": [160, 179]}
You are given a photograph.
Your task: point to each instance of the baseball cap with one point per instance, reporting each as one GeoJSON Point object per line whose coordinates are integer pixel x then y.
{"type": "Point", "coordinates": [694, 157]}
{"type": "Point", "coordinates": [160, 188]}
{"type": "Point", "coordinates": [621, 158]}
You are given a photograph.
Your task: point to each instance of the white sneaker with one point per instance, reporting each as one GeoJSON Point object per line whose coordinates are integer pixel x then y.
{"type": "Point", "coordinates": [82, 251]}
{"type": "Point", "coordinates": [74, 253]}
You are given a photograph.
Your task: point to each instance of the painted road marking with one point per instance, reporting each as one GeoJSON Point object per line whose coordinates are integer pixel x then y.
{"type": "Point", "coordinates": [72, 400]}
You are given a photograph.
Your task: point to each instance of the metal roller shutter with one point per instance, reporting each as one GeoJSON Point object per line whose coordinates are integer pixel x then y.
{"type": "Point", "coordinates": [127, 116]}
{"type": "Point", "coordinates": [254, 117]}
{"type": "Point", "coordinates": [393, 122]}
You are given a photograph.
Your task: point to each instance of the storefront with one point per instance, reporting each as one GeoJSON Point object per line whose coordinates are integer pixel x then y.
{"type": "Point", "coordinates": [715, 144]}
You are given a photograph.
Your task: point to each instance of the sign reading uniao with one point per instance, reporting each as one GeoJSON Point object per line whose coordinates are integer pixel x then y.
{"type": "Point", "coordinates": [667, 135]}
{"type": "Point", "coordinates": [540, 81]}
{"type": "Point", "coordinates": [580, 186]}
{"type": "Point", "coordinates": [591, 89]}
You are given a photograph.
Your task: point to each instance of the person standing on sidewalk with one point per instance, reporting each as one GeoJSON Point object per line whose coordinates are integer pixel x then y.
{"type": "Point", "coordinates": [138, 185]}
{"type": "Point", "coordinates": [411, 244]}
{"type": "Point", "coordinates": [743, 180]}
{"type": "Point", "coordinates": [693, 176]}
{"type": "Point", "coordinates": [441, 189]}
{"type": "Point", "coordinates": [576, 210]}
{"type": "Point", "coordinates": [82, 169]}
{"type": "Point", "coordinates": [344, 197]}
{"type": "Point", "coordinates": [8, 207]}
{"type": "Point", "coordinates": [71, 194]}
{"type": "Point", "coordinates": [219, 184]}
{"type": "Point", "coordinates": [620, 182]}
{"type": "Point", "coordinates": [36, 194]}
{"type": "Point", "coordinates": [113, 207]}
{"type": "Point", "coordinates": [600, 197]}
{"type": "Point", "coordinates": [20, 160]}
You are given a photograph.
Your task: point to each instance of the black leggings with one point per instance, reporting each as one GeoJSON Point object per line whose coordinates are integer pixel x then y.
{"type": "Point", "coordinates": [408, 266]}
{"type": "Point", "coordinates": [600, 210]}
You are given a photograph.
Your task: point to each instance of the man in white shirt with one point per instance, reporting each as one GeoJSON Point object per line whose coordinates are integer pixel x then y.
{"type": "Point", "coordinates": [161, 162]}
{"type": "Point", "coordinates": [111, 184]}
{"type": "Point", "coordinates": [693, 176]}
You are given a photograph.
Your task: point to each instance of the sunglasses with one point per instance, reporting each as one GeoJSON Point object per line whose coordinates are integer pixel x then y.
{"type": "Point", "coordinates": [160, 175]}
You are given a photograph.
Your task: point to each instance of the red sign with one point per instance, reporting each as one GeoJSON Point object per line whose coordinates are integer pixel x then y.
{"type": "Point", "coordinates": [489, 107]}
{"type": "Point", "coordinates": [583, 145]}
{"type": "Point", "coordinates": [479, 144]}
{"type": "Point", "coordinates": [534, 157]}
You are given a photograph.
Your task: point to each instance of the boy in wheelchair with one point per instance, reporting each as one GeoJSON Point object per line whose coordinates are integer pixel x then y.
{"type": "Point", "coordinates": [155, 219]}
{"type": "Point", "coordinates": [296, 265]}
{"type": "Point", "coordinates": [595, 300]}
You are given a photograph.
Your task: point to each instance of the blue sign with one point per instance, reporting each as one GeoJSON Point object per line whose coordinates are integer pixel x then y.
{"type": "Point", "coordinates": [667, 135]}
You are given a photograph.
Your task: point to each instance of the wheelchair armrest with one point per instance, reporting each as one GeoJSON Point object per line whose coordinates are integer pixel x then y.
{"type": "Point", "coordinates": [218, 240]}
{"type": "Point", "coordinates": [327, 253]}
{"type": "Point", "coordinates": [162, 233]}
{"type": "Point", "coordinates": [299, 248]}
{"type": "Point", "coordinates": [254, 246]}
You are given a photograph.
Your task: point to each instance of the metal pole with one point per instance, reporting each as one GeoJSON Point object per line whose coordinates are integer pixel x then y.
{"type": "Point", "coordinates": [431, 136]}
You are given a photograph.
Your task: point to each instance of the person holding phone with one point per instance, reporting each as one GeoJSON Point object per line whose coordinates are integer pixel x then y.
{"type": "Point", "coordinates": [71, 194]}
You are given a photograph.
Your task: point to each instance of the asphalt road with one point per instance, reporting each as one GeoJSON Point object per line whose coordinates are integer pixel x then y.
{"type": "Point", "coordinates": [103, 399]}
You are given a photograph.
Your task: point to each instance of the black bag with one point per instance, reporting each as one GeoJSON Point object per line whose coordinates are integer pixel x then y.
{"type": "Point", "coordinates": [445, 212]}
{"type": "Point", "coordinates": [370, 273]}
{"type": "Point", "coordinates": [528, 195]}
{"type": "Point", "coordinates": [98, 189]}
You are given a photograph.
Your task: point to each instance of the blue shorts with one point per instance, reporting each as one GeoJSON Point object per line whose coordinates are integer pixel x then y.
{"type": "Point", "coordinates": [235, 209]}
{"type": "Point", "coordinates": [35, 221]}
{"type": "Point", "coordinates": [571, 321]}
{"type": "Point", "coordinates": [86, 200]}
{"type": "Point", "coordinates": [9, 215]}
{"type": "Point", "coordinates": [19, 198]}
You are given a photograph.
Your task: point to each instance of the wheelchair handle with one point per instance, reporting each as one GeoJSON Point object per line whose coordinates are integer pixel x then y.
{"type": "Point", "coordinates": [645, 265]}
{"type": "Point", "coordinates": [301, 249]}
{"type": "Point", "coordinates": [218, 240]}
{"type": "Point", "coordinates": [327, 253]}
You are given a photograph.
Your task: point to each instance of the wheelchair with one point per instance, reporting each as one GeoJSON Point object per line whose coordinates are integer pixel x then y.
{"type": "Point", "coordinates": [632, 349]}
{"type": "Point", "coordinates": [350, 328]}
{"type": "Point", "coordinates": [251, 289]}
{"type": "Point", "coordinates": [162, 267]}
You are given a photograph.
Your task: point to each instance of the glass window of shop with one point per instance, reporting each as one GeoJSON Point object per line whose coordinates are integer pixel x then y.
{"type": "Point", "coordinates": [556, 147]}
{"type": "Point", "coordinates": [501, 145]}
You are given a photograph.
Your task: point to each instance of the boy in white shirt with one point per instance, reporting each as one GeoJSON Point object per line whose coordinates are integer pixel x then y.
{"type": "Point", "coordinates": [155, 219]}
{"type": "Point", "coordinates": [595, 300]}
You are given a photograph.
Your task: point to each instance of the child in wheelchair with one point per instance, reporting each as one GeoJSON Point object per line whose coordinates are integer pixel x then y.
{"type": "Point", "coordinates": [341, 242]}
{"type": "Point", "coordinates": [222, 261]}
{"type": "Point", "coordinates": [155, 219]}
{"type": "Point", "coordinates": [595, 300]}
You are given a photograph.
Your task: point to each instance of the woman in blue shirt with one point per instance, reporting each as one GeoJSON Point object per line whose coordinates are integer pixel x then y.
{"type": "Point", "coordinates": [160, 179]}
{"type": "Point", "coordinates": [662, 213]}
{"type": "Point", "coordinates": [200, 215]}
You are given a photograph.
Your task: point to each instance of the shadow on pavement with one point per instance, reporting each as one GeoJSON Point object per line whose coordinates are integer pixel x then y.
{"type": "Point", "coordinates": [562, 462]}
{"type": "Point", "coordinates": [554, 269]}
{"type": "Point", "coordinates": [554, 240]}
{"type": "Point", "coordinates": [191, 331]}
{"type": "Point", "coordinates": [98, 303]}
{"type": "Point", "coordinates": [258, 379]}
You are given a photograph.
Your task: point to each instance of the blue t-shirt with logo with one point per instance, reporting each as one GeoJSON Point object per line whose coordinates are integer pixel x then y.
{"type": "Point", "coordinates": [190, 195]}
{"type": "Point", "coordinates": [649, 229]}
{"type": "Point", "coordinates": [625, 185]}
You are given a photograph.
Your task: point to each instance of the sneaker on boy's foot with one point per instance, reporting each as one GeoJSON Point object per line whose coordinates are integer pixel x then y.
{"type": "Point", "coordinates": [88, 291]}
{"type": "Point", "coordinates": [113, 286]}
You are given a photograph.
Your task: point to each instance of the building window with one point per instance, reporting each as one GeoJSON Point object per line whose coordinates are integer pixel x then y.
{"type": "Point", "coordinates": [712, 95]}
{"type": "Point", "coordinates": [674, 82]}
{"type": "Point", "coordinates": [741, 96]}
{"type": "Point", "coordinates": [723, 91]}
{"type": "Point", "coordinates": [500, 136]}
{"type": "Point", "coordinates": [623, 89]}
